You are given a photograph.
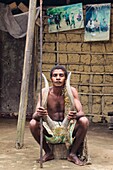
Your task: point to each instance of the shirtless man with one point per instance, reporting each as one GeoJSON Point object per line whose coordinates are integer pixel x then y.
{"type": "Point", "coordinates": [56, 110]}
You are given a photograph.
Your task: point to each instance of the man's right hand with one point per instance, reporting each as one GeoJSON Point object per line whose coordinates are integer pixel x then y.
{"type": "Point", "coordinates": [40, 112]}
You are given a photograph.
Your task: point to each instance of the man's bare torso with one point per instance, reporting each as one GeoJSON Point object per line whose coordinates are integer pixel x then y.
{"type": "Point", "coordinates": [55, 106]}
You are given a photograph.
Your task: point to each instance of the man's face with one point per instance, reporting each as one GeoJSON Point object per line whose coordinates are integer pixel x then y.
{"type": "Point", "coordinates": [58, 77]}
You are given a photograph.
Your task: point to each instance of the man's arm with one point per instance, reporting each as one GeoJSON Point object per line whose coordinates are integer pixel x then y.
{"type": "Point", "coordinates": [39, 111]}
{"type": "Point", "coordinates": [77, 106]}
{"type": "Point", "coordinates": [77, 102]}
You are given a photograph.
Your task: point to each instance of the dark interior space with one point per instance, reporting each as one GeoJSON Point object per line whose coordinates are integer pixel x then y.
{"type": "Point", "coordinates": [52, 3]}
{"type": "Point", "coordinates": [56, 3]}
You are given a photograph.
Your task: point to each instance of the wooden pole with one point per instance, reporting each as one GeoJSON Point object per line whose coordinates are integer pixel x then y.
{"type": "Point", "coordinates": [41, 121]}
{"type": "Point", "coordinates": [26, 75]}
{"type": "Point", "coordinates": [35, 62]}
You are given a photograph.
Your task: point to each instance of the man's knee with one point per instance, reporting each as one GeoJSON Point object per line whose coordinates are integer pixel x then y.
{"type": "Point", "coordinates": [33, 124]}
{"type": "Point", "coordinates": [84, 121]}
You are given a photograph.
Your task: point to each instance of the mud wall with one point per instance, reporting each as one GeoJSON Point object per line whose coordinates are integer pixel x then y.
{"type": "Point", "coordinates": [91, 64]}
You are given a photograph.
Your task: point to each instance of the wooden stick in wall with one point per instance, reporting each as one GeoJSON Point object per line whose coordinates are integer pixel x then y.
{"type": "Point", "coordinates": [13, 6]}
{"type": "Point", "coordinates": [23, 7]}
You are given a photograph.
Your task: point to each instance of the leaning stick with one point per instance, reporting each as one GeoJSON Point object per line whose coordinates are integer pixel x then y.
{"type": "Point", "coordinates": [41, 121]}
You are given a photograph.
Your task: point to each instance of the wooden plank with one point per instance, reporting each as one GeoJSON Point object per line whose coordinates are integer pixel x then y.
{"type": "Point", "coordinates": [13, 6]}
{"type": "Point", "coordinates": [95, 94]}
{"type": "Point", "coordinates": [95, 115]}
{"type": "Point", "coordinates": [90, 96]}
{"type": "Point", "coordinates": [93, 85]}
{"type": "Point", "coordinates": [103, 101]}
{"type": "Point", "coordinates": [73, 52]}
{"type": "Point", "coordinates": [23, 7]}
{"type": "Point", "coordinates": [26, 75]}
{"type": "Point", "coordinates": [59, 150]}
{"type": "Point", "coordinates": [57, 55]}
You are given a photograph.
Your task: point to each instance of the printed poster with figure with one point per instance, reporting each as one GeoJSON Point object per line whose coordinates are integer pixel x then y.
{"type": "Point", "coordinates": [65, 18]}
{"type": "Point", "coordinates": [97, 23]}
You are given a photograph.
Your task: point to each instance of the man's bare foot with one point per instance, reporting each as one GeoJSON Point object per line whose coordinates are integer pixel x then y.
{"type": "Point", "coordinates": [73, 158]}
{"type": "Point", "coordinates": [46, 157]}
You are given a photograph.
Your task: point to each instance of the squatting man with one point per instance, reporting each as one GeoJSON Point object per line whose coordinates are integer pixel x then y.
{"type": "Point", "coordinates": [55, 111]}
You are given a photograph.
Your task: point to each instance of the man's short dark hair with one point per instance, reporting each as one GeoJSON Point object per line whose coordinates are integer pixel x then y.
{"type": "Point", "coordinates": [59, 67]}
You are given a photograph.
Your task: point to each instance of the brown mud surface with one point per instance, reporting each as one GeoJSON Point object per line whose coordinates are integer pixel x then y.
{"type": "Point", "coordinates": [100, 145]}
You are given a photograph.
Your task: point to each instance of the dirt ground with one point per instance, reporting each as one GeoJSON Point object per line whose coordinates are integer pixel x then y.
{"type": "Point", "coordinates": [100, 144]}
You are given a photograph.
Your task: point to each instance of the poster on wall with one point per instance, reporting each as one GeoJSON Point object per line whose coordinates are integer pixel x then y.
{"type": "Point", "coordinates": [65, 18]}
{"type": "Point", "coordinates": [97, 23]}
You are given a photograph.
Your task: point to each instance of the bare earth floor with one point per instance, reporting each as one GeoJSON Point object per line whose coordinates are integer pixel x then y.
{"type": "Point", "coordinates": [100, 144]}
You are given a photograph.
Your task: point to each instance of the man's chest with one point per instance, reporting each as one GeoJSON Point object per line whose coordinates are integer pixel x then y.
{"type": "Point", "coordinates": [56, 103]}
